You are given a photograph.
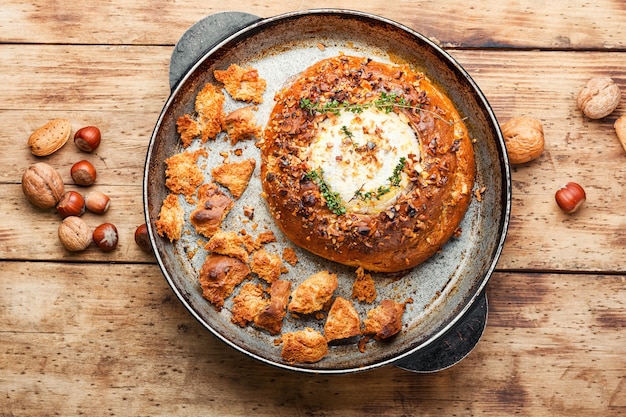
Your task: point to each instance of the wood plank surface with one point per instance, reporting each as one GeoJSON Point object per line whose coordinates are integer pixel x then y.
{"type": "Point", "coordinates": [103, 334]}
{"type": "Point", "coordinates": [572, 24]}
{"type": "Point", "coordinates": [113, 340]}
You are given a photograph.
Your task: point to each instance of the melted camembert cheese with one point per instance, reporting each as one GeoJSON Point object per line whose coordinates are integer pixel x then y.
{"type": "Point", "coordinates": [358, 155]}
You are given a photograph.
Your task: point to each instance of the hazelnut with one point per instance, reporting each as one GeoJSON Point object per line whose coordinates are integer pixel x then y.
{"type": "Point", "coordinates": [42, 185]}
{"type": "Point", "coordinates": [599, 97]}
{"type": "Point", "coordinates": [570, 197]}
{"type": "Point", "coordinates": [105, 237]}
{"type": "Point", "coordinates": [97, 202]}
{"type": "Point", "coordinates": [87, 139]}
{"type": "Point", "coordinates": [71, 204]}
{"type": "Point", "coordinates": [74, 234]}
{"type": "Point", "coordinates": [83, 173]}
{"type": "Point", "coordinates": [142, 238]}
{"type": "Point", "coordinates": [523, 137]}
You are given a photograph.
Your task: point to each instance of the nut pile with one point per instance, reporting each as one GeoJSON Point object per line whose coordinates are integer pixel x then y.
{"type": "Point", "coordinates": [44, 188]}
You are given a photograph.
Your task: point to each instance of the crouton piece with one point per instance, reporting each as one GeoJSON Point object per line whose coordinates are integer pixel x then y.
{"type": "Point", "coordinates": [227, 243]}
{"type": "Point", "coordinates": [241, 125]}
{"type": "Point", "coordinates": [212, 207]}
{"type": "Point", "coordinates": [188, 128]}
{"type": "Point", "coordinates": [219, 276]}
{"type": "Point", "coordinates": [343, 320]}
{"type": "Point", "coordinates": [304, 346]}
{"type": "Point", "coordinates": [364, 288]}
{"type": "Point", "coordinates": [271, 318]}
{"type": "Point", "coordinates": [315, 291]}
{"type": "Point", "coordinates": [384, 320]}
{"type": "Point", "coordinates": [210, 109]}
{"type": "Point", "coordinates": [267, 265]}
{"type": "Point", "coordinates": [171, 218]}
{"type": "Point", "coordinates": [265, 237]}
{"type": "Point", "coordinates": [183, 176]}
{"type": "Point", "coordinates": [290, 256]}
{"type": "Point", "coordinates": [242, 83]}
{"type": "Point", "coordinates": [248, 304]}
{"type": "Point", "coordinates": [234, 176]}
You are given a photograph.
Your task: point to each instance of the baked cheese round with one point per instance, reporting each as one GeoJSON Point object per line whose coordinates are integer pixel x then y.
{"type": "Point", "coordinates": [366, 164]}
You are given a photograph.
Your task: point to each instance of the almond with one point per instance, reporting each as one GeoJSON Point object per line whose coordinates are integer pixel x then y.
{"type": "Point", "coordinates": [50, 137]}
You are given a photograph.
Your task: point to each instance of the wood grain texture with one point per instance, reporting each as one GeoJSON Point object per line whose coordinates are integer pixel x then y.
{"type": "Point", "coordinates": [103, 334]}
{"type": "Point", "coordinates": [112, 340]}
{"type": "Point", "coordinates": [574, 24]}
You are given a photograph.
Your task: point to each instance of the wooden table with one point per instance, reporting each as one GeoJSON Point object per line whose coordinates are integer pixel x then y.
{"type": "Point", "coordinates": [102, 334]}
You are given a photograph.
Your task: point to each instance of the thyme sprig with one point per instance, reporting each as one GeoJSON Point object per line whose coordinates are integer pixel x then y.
{"type": "Point", "coordinates": [386, 102]}
{"type": "Point", "coordinates": [333, 199]}
{"type": "Point", "coordinates": [394, 181]}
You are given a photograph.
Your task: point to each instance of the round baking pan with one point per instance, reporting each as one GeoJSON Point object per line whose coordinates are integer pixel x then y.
{"type": "Point", "coordinates": [449, 308]}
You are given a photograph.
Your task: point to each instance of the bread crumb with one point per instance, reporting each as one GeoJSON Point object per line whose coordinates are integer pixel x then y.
{"type": "Point", "coordinates": [343, 320]}
{"type": "Point", "coordinates": [304, 346]}
{"type": "Point", "coordinates": [312, 293]}
{"type": "Point", "coordinates": [364, 288]}
{"type": "Point", "coordinates": [242, 83]}
{"type": "Point", "coordinates": [171, 218]}
{"type": "Point", "coordinates": [212, 207]}
{"type": "Point", "coordinates": [234, 176]}
{"type": "Point", "coordinates": [219, 276]}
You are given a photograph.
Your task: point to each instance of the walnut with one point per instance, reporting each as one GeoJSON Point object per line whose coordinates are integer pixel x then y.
{"type": "Point", "coordinates": [42, 185]}
{"type": "Point", "coordinates": [599, 97]}
{"type": "Point", "coordinates": [524, 140]}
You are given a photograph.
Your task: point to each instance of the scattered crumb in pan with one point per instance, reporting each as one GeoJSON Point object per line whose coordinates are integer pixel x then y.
{"type": "Point", "coordinates": [234, 176]}
{"type": "Point", "coordinates": [210, 109]}
{"type": "Point", "coordinates": [188, 128]}
{"type": "Point", "coordinates": [248, 303]}
{"type": "Point", "coordinates": [212, 207]}
{"type": "Point", "coordinates": [219, 276]}
{"type": "Point", "coordinates": [304, 346]}
{"type": "Point", "coordinates": [290, 256]}
{"type": "Point", "coordinates": [171, 218]}
{"type": "Point", "coordinates": [385, 320]}
{"type": "Point", "coordinates": [241, 124]}
{"type": "Point", "coordinates": [271, 318]}
{"type": "Point", "coordinates": [312, 293]}
{"type": "Point", "coordinates": [266, 265]}
{"type": "Point", "coordinates": [183, 176]}
{"type": "Point", "coordinates": [229, 244]}
{"type": "Point", "coordinates": [242, 83]}
{"type": "Point", "coordinates": [364, 287]}
{"type": "Point", "coordinates": [343, 320]}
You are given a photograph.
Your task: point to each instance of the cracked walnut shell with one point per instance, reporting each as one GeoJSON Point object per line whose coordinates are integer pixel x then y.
{"type": "Point", "coordinates": [599, 97]}
{"type": "Point", "coordinates": [524, 140]}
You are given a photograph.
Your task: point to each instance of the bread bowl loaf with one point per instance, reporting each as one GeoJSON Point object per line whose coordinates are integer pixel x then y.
{"type": "Point", "coordinates": [366, 164]}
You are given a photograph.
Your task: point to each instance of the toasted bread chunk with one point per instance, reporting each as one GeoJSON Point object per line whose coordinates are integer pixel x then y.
{"type": "Point", "coordinates": [343, 320]}
{"type": "Point", "coordinates": [315, 291]}
{"type": "Point", "coordinates": [271, 318]}
{"type": "Point", "coordinates": [248, 303]}
{"type": "Point", "coordinates": [267, 265]}
{"type": "Point", "coordinates": [171, 218]}
{"type": "Point", "coordinates": [242, 83]}
{"type": "Point", "coordinates": [364, 288]}
{"type": "Point", "coordinates": [188, 128]}
{"type": "Point", "coordinates": [210, 109]}
{"type": "Point", "coordinates": [385, 320]}
{"type": "Point", "coordinates": [219, 276]}
{"type": "Point", "coordinates": [212, 207]}
{"type": "Point", "coordinates": [234, 176]}
{"type": "Point", "coordinates": [182, 173]}
{"type": "Point", "coordinates": [241, 125]}
{"type": "Point", "coordinates": [304, 346]}
{"type": "Point", "coordinates": [227, 243]}
{"type": "Point", "coordinates": [290, 256]}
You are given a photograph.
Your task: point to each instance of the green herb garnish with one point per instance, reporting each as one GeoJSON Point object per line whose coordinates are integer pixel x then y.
{"type": "Point", "coordinates": [333, 199]}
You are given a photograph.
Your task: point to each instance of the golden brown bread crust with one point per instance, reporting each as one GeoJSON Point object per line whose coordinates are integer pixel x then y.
{"type": "Point", "coordinates": [420, 221]}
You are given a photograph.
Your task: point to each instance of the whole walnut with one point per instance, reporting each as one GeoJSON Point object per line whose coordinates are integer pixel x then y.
{"type": "Point", "coordinates": [523, 137]}
{"type": "Point", "coordinates": [599, 97]}
{"type": "Point", "coordinates": [42, 185]}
